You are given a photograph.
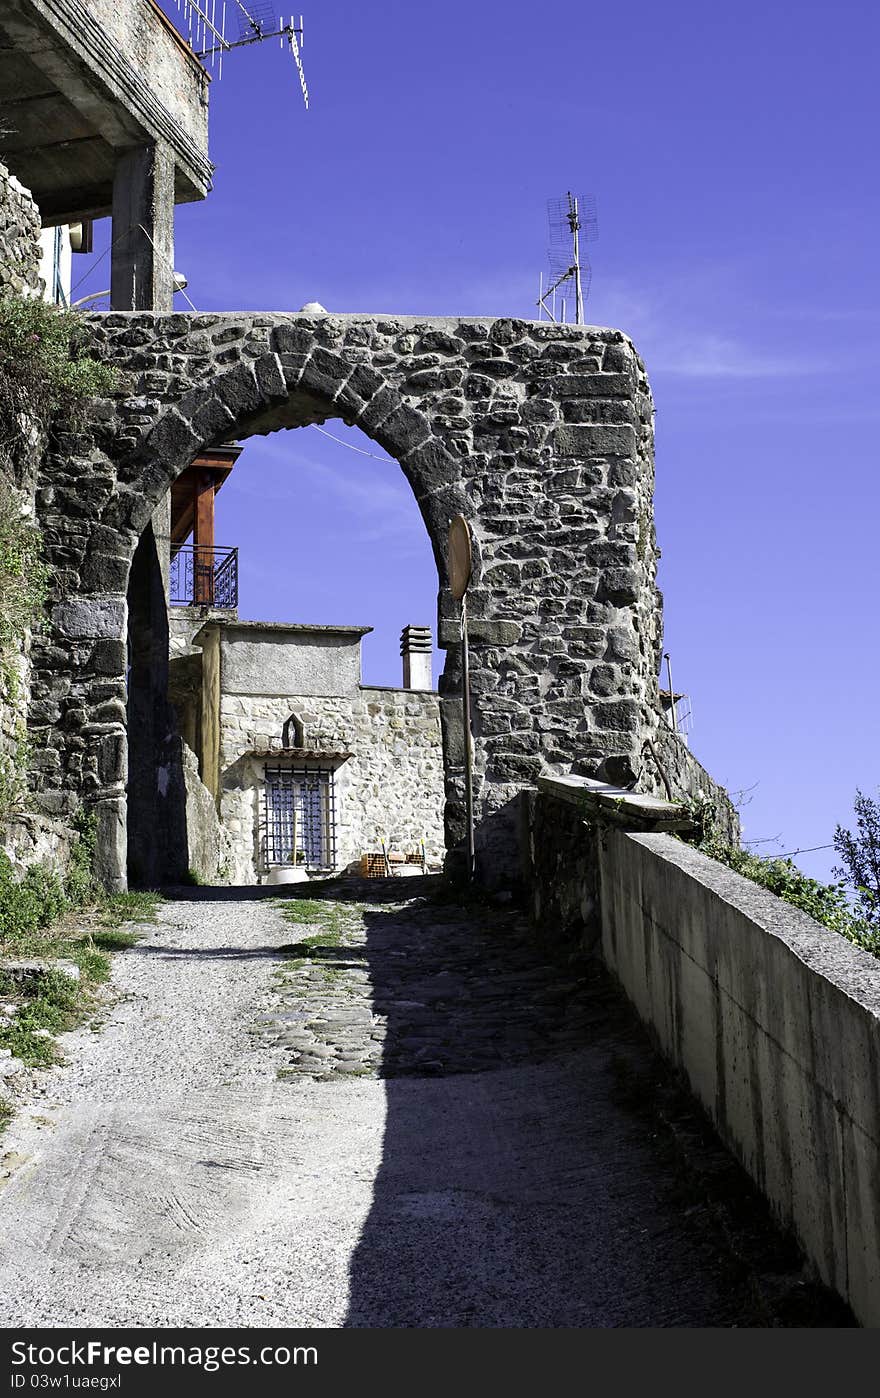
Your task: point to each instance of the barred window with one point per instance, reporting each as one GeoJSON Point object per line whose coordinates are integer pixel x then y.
{"type": "Point", "coordinates": [299, 819]}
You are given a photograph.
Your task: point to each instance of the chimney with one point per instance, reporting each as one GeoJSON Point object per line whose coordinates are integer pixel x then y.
{"type": "Point", "coordinates": [415, 647]}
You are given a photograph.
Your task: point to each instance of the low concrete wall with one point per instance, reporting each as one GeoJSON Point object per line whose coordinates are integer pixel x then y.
{"type": "Point", "coordinates": [776, 1023]}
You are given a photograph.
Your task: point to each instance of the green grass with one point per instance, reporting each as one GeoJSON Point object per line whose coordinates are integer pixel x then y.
{"type": "Point", "coordinates": [138, 905]}
{"type": "Point", "coordinates": [331, 938]}
{"type": "Point", "coordinates": [47, 1002]}
{"type": "Point", "coordinates": [332, 920]}
{"type": "Point", "coordinates": [52, 1001]}
{"type": "Point", "coordinates": [331, 916]}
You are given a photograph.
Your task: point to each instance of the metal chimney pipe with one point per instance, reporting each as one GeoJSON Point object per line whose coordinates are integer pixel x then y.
{"type": "Point", "coordinates": [416, 648]}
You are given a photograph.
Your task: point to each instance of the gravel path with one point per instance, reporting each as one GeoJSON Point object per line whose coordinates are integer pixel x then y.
{"type": "Point", "coordinates": [395, 1115]}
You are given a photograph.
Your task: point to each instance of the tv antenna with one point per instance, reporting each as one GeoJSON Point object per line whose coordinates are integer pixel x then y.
{"type": "Point", "coordinates": [205, 22]}
{"type": "Point", "coordinates": [572, 221]}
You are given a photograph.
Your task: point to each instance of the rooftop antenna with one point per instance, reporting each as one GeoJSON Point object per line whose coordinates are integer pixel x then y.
{"type": "Point", "coordinates": [205, 22]}
{"type": "Point", "coordinates": [572, 222]}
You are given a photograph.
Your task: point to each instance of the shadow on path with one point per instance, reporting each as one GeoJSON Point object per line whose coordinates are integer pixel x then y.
{"type": "Point", "coordinates": [533, 1170]}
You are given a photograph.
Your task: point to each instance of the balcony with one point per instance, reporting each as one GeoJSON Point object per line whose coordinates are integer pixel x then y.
{"type": "Point", "coordinates": [204, 575]}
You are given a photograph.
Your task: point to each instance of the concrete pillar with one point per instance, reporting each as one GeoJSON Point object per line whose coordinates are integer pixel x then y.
{"type": "Point", "coordinates": [415, 647]}
{"type": "Point", "coordinates": [142, 257]}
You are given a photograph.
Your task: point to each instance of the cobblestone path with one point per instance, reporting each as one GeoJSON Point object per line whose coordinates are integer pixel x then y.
{"type": "Point", "coordinates": [365, 1105]}
{"type": "Point", "coordinates": [421, 985]}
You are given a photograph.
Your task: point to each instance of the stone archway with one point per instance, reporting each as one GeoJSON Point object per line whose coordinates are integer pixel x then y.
{"type": "Point", "coordinates": [540, 434]}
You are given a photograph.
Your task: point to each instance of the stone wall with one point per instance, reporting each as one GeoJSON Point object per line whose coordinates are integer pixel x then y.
{"type": "Point", "coordinates": [562, 871]}
{"type": "Point", "coordinates": [25, 838]}
{"type": "Point", "coordinates": [560, 843]}
{"type": "Point", "coordinates": [391, 788]}
{"type": "Point", "coordinates": [669, 769]}
{"type": "Point", "coordinates": [209, 849]}
{"type": "Point", "coordinates": [540, 434]}
{"type": "Point", "coordinates": [20, 228]}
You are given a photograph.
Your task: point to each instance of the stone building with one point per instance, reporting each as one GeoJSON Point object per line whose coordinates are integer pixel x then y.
{"type": "Point", "coordinates": [307, 765]}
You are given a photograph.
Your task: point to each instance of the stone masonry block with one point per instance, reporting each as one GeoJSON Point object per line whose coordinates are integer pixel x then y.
{"type": "Point", "coordinates": [596, 439]}
{"type": "Point", "coordinates": [402, 431]}
{"type": "Point", "coordinates": [92, 618]}
{"type": "Point", "coordinates": [324, 373]}
{"type": "Point", "coordinates": [592, 386]}
{"type": "Point", "coordinates": [239, 391]}
{"type": "Point", "coordinates": [290, 338]}
{"type": "Point", "coordinates": [381, 405]}
{"type": "Point", "coordinates": [171, 439]}
{"type": "Point", "coordinates": [270, 378]}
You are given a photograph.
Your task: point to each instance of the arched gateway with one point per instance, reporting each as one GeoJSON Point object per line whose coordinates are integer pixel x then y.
{"type": "Point", "coordinates": [539, 434]}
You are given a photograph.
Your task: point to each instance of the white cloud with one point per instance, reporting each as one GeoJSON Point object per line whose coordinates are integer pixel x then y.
{"type": "Point", "coordinates": [374, 495]}
{"type": "Point", "coordinates": [711, 356]}
{"type": "Point", "coordinates": [670, 330]}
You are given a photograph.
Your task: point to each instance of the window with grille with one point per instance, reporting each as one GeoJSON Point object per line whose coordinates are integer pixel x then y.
{"type": "Point", "coordinates": [300, 817]}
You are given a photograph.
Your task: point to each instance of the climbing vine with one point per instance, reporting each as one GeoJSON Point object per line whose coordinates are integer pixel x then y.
{"type": "Point", "coordinates": [23, 574]}
{"type": "Point", "coordinates": [23, 584]}
{"type": "Point", "coordinates": [46, 373]}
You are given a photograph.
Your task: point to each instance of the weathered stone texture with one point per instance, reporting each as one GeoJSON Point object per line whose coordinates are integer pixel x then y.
{"type": "Point", "coordinates": [19, 239]}
{"type": "Point", "coordinates": [495, 419]}
{"type": "Point", "coordinates": [391, 788]}
{"type": "Point", "coordinates": [667, 755]}
{"type": "Point", "coordinates": [562, 871]}
{"type": "Point", "coordinates": [209, 846]}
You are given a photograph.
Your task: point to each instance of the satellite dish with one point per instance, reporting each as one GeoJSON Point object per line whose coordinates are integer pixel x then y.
{"type": "Point", "coordinates": [460, 557]}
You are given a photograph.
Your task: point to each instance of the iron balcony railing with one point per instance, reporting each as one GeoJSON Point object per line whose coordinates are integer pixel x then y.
{"type": "Point", "coordinates": [204, 576]}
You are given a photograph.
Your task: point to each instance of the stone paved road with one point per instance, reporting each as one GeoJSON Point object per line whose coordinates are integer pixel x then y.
{"type": "Point", "coordinates": [369, 1108]}
{"type": "Point", "coordinates": [418, 987]}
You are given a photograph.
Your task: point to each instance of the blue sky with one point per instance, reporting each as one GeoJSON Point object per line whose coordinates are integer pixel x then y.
{"type": "Point", "coordinates": [731, 151]}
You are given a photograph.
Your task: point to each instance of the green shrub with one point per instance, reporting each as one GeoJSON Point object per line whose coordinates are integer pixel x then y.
{"type": "Point", "coordinates": [29, 903]}
{"type": "Point", "coordinates": [50, 1004]}
{"type": "Point", "coordinates": [23, 587]}
{"type": "Point", "coordinates": [827, 903]}
{"type": "Point", "coordinates": [39, 898]}
{"type": "Point", "coordinates": [80, 884]}
{"type": "Point", "coordinates": [45, 366]}
{"type": "Point", "coordinates": [23, 574]}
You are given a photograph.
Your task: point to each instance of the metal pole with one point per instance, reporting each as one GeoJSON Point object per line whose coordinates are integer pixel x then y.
{"type": "Point", "coordinates": [578, 293]}
{"type": "Point", "coordinates": [466, 721]}
{"type": "Point", "coordinates": [672, 723]}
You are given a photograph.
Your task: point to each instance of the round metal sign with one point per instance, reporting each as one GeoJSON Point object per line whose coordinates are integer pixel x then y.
{"type": "Point", "coordinates": [460, 557]}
